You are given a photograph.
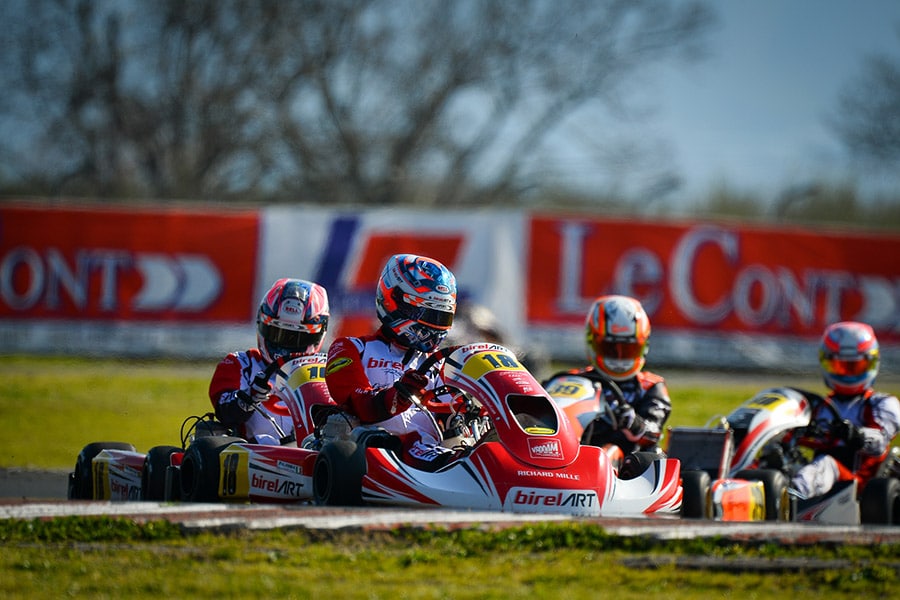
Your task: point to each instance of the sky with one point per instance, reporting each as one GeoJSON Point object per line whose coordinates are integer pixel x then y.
{"type": "Point", "coordinates": [753, 114]}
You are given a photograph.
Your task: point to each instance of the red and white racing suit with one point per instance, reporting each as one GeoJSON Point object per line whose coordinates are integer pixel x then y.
{"type": "Point", "coordinates": [358, 372]}
{"type": "Point", "coordinates": [875, 414]}
{"type": "Point", "coordinates": [232, 374]}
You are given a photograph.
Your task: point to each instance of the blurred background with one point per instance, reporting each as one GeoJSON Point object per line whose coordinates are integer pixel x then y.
{"type": "Point", "coordinates": [162, 162]}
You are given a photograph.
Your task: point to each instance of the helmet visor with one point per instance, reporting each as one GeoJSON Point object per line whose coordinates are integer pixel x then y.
{"type": "Point", "coordinates": [847, 367]}
{"type": "Point", "coordinates": [619, 349]}
{"type": "Point", "coordinates": [291, 339]}
{"type": "Point", "coordinates": [439, 319]}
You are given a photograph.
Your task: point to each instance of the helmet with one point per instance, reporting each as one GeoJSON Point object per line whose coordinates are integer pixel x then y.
{"type": "Point", "coordinates": [292, 319]}
{"type": "Point", "coordinates": [617, 331]}
{"type": "Point", "coordinates": [849, 357]}
{"type": "Point", "coordinates": [416, 300]}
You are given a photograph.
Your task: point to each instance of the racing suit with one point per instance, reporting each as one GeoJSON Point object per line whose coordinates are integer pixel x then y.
{"type": "Point", "coordinates": [232, 375]}
{"type": "Point", "coordinates": [874, 418]}
{"type": "Point", "coordinates": [358, 373]}
{"type": "Point", "coordinates": [647, 393]}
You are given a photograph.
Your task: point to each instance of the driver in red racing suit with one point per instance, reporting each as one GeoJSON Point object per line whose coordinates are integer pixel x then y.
{"type": "Point", "coordinates": [374, 377]}
{"type": "Point", "coordinates": [292, 319]}
{"type": "Point", "coordinates": [850, 430]}
{"type": "Point", "coordinates": [617, 333]}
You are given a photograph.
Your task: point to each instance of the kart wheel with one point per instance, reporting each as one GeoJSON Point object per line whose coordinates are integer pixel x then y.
{"type": "Point", "coordinates": [337, 476]}
{"type": "Point", "coordinates": [775, 486]}
{"type": "Point", "coordinates": [880, 502]}
{"type": "Point", "coordinates": [200, 468]}
{"type": "Point", "coordinates": [695, 487]}
{"type": "Point", "coordinates": [153, 476]}
{"type": "Point", "coordinates": [81, 481]}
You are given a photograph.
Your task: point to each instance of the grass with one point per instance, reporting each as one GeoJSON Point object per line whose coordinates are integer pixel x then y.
{"type": "Point", "coordinates": [50, 408]}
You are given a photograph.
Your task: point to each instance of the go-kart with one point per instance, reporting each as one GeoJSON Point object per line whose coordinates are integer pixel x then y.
{"type": "Point", "coordinates": [523, 455]}
{"type": "Point", "coordinates": [212, 462]}
{"type": "Point", "coordinates": [739, 468]}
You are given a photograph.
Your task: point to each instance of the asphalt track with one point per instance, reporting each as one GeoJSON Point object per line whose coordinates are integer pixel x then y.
{"type": "Point", "coordinates": [26, 494]}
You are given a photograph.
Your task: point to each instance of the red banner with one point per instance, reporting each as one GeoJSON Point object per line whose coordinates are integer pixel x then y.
{"type": "Point", "coordinates": [714, 277]}
{"type": "Point", "coordinates": [133, 265]}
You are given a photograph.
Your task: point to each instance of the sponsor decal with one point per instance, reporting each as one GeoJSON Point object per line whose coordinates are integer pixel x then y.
{"type": "Point", "coordinates": [277, 485]}
{"type": "Point", "coordinates": [337, 364]}
{"type": "Point", "coordinates": [544, 448]}
{"type": "Point", "coordinates": [529, 499]}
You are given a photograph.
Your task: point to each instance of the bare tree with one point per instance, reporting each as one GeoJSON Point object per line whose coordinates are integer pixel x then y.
{"type": "Point", "coordinates": [367, 101]}
{"type": "Point", "coordinates": [867, 119]}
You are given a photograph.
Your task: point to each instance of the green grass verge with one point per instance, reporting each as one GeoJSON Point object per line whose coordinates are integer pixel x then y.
{"type": "Point", "coordinates": [102, 558]}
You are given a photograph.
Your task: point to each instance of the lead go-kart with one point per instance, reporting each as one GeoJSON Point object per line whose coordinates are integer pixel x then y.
{"type": "Point", "coordinates": [739, 467]}
{"type": "Point", "coordinates": [213, 463]}
{"type": "Point", "coordinates": [521, 455]}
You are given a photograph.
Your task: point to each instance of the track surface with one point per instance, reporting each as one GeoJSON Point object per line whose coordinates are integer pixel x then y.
{"type": "Point", "coordinates": [28, 494]}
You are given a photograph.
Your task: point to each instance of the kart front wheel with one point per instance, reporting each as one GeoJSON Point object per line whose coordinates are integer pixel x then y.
{"type": "Point", "coordinates": [879, 502]}
{"type": "Point", "coordinates": [153, 476]}
{"type": "Point", "coordinates": [200, 468]}
{"type": "Point", "coordinates": [338, 473]}
{"type": "Point", "coordinates": [81, 480]}
{"type": "Point", "coordinates": [695, 488]}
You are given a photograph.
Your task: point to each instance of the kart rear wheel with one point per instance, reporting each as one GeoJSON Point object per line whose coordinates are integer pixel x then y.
{"type": "Point", "coordinates": [153, 476]}
{"type": "Point", "coordinates": [338, 473]}
{"type": "Point", "coordinates": [695, 487]}
{"type": "Point", "coordinates": [81, 480]}
{"type": "Point", "coordinates": [200, 468]}
{"type": "Point", "coordinates": [879, 502]}
{"type": "Point", "coordinates": [775, 486]}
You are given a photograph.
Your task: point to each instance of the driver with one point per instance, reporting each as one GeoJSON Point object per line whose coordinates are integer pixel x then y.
{"type": "Point", "coordinates": [617, 332]}
{"type": "Point", "coordinates": [851, 429]}
{"type": "Point", "coordinates": [374, 377]}
{"type": "Point", "coordinates": [292, 320]}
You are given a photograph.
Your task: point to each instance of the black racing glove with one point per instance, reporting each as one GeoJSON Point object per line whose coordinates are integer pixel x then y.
{"type": "Point", "coordinates": [400, 397]}
{"type": "Point", "coordinates": [849, 433]}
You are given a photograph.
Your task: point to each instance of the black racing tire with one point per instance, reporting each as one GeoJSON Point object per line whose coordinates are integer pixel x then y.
{"type": "Point", "coordinates": [153, 475]}
{"type": "Point", "coordinates": [200, 468]}
{"type": "Point", "coordinates": [338, 473]}
{"type": "Point", "coordinates": [81, 480]}
{"type": "Point", "coordinates": [879, 503]}
{"type": "Point", "coordinates": [695, 487]}
{"type": "Point", "coordinates": [775, 486]}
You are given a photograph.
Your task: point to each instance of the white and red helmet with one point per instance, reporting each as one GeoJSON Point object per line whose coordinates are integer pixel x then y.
{"type": "Point", "coordinates": [416, 300]}
{"type": "Point", "coordinates": [617, 332]}
{"type": "Point", "coordinates": [848, 354]}
{"type": "Point", "coordinates": [292, 319]}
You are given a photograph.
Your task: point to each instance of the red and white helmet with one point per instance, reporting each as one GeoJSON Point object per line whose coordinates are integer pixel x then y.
{"type": "Point", "coordinates": [617, 331]}
{"type": "Point", "coordinates": [848, 354]}
{"type": "Point", "coordinates": [416, 300]}
{"type": "Point", "coordinates": [292, 319]}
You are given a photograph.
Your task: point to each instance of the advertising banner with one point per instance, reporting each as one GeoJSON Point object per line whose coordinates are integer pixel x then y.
{"type": "Point", "coordinates": [703, 281]}
{"type": "Point", "coordinates": [108, 271]}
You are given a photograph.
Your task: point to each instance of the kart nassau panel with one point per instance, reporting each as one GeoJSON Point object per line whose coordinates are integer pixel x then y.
{"type": "Point", "coordinates": [301, 388]}
{"type": "Point", "coordinates": [578, 399]}
{"type": "Point", "coordinates": [536, 465]}
{"type": "Point", "coordinates": [737, 500]}
{"type": "Point", "coordinates": [263, 473]}
{"type": "Point", "coordinates": [117, 475]}
{"type": "Point", "coordinates": [761, 419]}
{"type": "Point", "coordinates": [527, 421]}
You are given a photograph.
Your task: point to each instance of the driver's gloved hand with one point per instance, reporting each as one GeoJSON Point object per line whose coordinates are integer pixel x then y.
{"type": "Point", "coordinates": [400, 397]}
{"type": "Point", "coordinates": [849, 433]}
{"type": "Point", "coordinates": [259, 391]}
